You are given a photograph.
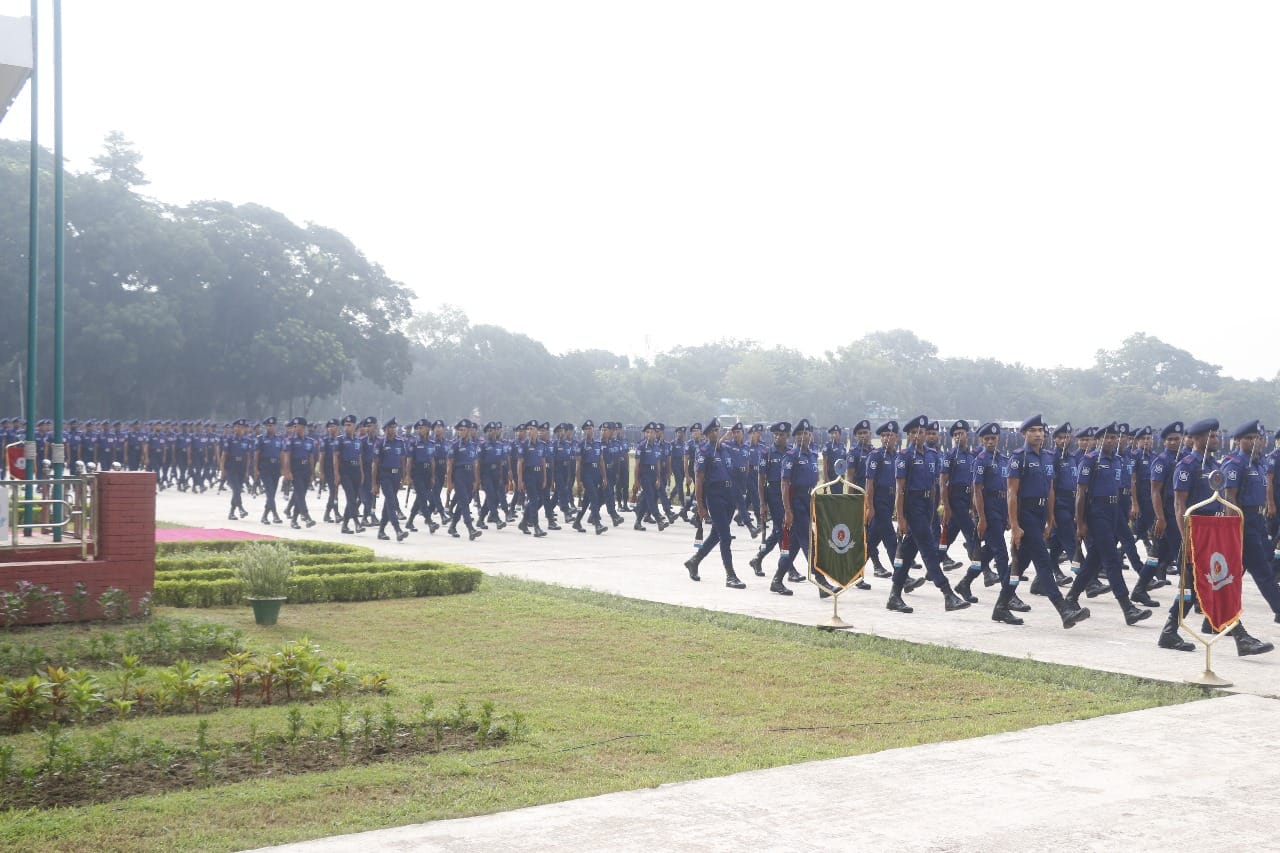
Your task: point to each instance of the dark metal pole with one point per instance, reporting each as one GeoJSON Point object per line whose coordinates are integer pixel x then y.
{"type": "Point", "coordinates": [59, 233]}
{"type": "Point", "coordinates": [33, 266]}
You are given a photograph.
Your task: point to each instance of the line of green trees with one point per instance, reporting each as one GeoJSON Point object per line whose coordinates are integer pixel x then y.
{"type": "Point", "coordinates": [217, 310]}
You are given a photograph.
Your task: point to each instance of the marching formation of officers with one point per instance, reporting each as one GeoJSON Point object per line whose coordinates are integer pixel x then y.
{"type": "Point", "coordinates": [1084, 497]}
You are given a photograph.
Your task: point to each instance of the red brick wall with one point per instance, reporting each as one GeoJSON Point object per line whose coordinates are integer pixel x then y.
{"type": "Point", "coordinates": [126, 549]}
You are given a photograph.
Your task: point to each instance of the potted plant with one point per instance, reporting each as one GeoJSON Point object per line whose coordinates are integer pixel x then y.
{"type": "Point", "coordinates": [265, 569]}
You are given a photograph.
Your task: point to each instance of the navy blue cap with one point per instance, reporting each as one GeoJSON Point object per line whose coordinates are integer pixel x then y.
{"type": "Point", "coordinates": [298, 422]}
{"type": "Point", "coordinates": [1064, 428]}
{"type": "Point", "coordinates": [695, 425]}
{"type": "Point", "coordinates": [422, 422]}
{"type": "Point", "coordinates": [462, 424]}
{"type": "Point", "coordinates": [934, 425]}
{"type": "Point", "coordinates": [1174, 428]}
{"type": "Point", "coordinates": [781, 427]}
{"type": "Point", "coordinates": [1248, 428]}
{"type": "Point", "coordinates": [959, 425]}
{"type": "Point", "coordinates": [369, 421]}
{"type": "Point", "coordinates": [861, 425]}
{"type": "Point", "coordinates": [1033, 421]}
{"type": "Point", "coordinates": [918, 422]}
{"type": "Point", "coordinates": [834, 428]}
{"type": "Point", "coordinates": [545, 425]}
{"type": "Point", "coordinates": [350, 419]}
{"type": "Point", "coordinates": [737, 425]}
{"type": "Point", "coordinates": [1142, 432]}
{"type": "Point", "coordinates": [331, 422]}
{"type": "Point", "coordinates": [889, 427]}
{"type": "Point", "coordinates": [240, 422]}
{"type": "Point", "coordinates": [681, 429]}
{"type": "Point", "coordinates": [588, 424]}
{"type": "Point", "coordinates": [1123, 428]}
{"type": "Point", "coordinates": [989, 428]}
{"type": "Point", "coordinates": [1109, 429]}
{"type": "Point", "coordinates": [271, 421]}
{"type": "Point", "coordinates": [803, 425]}
{"type": "Point", "coordinates": [654, 425]}
{"type": "Point", "coordinates": [1203, 427]}
{"type": "Point", "coordinates": [714, 423]}
{"type": "Point", "coordinates": [1084, 432]}
{"type": "Point", "coordinates": [437, 423]}
{"type": "Point", "coordinates": [391, 422]}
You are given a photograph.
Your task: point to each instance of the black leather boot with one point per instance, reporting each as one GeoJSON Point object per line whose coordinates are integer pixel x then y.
{"type": "Point", "coordinates": [1170, 639]}
{"type": "Point", "coordinates": [1001, 612]}
{"type": "Point", "coordinates": [1249, 645]}
{"type": "Point", "coordinates": [1072, 614]}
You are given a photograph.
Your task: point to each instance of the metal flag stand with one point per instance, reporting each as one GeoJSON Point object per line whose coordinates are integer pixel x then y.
{"type": "Point", "coordinates": [825, 488]}
{"type": "Point", "coordinates": [1208, 678]}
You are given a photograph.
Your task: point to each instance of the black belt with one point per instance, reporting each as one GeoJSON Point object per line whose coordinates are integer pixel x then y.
{"type": "Point", "coordinates": [350, 463]}
{"type": "Point", "coordinates": [1065, 493]}
{"type": "Point", "coordinates": [538, 468]}
{"type": "Point", "coordinates": [964, 490]}
{"type": "Point", "coordinates": [1032, 501]}
{"type": "Point", "coordinates": [389, 470]}
{"type": "Point", "coordinates": [919, 493]}
{"type": "Point", "coordinates": [1124, 493]}
{"type": "Point", "coordinates": [992, 493]}
{"type": "Point", "coordinates": [1104, 499]}
{"type": "Point", "coordinates": [462, 467]}
{"type": "Point", "coordinates": [1251, 510]}
{"type": "Point", "coordinates": [723, 484]}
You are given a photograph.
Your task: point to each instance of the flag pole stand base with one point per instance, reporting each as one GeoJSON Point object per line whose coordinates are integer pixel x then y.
{"type": "Point", "coordinates": [835, 621]}
{"type": "Point", "coordinates": [1208, 678]}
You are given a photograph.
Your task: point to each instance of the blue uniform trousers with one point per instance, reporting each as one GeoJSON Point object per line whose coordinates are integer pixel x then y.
{"type": "Point", "coordinates": [994, 544]}
{"type": "Point", "coordinates": [1257, 557]}
{"type": "Point", "coordinates": [366, 491]}
{"type": "Point", "coordinates": [270, 483]}
{"type": "Point", "coordinates": [1033, 514]}
{"type": "Point", "coordinates": [421, 477]}
{"type": "Point", "coordinates": [464, 484]}
{"type": "Point", "coordinates": [492, 482]}
{"type": "Point", "coordinates": [880, 530]}
{"type": "Point", "coordinates": [1102, 552]}
{"type": "Point", "coordinates": [389, 485]}
{"type": "Point", "coordinates": [920, 516]}
{"type": "Point", "coordinates": [1064, 526]}
{"type": "Point", "coordinates": [533, 497]}
{"type": "Point", "coordinates": [647, 502]}
{"type": "Point", "coordinates": [961, 506]}
{"type": "Point", "coordinates": [298, 498]}
{"type": "Point", "coordinates": [776, 514]}
{"type": "Point", "coordinates": [798, 535]}
{"type": "Point", "coordinates": [350, 472]}
{"type": "Point", "coordinates": [720, 504]}
{"type": "Point", "coordinates": [592, 498]}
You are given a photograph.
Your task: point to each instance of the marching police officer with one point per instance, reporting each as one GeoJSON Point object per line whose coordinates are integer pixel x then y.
{"type": "Point", "coordinates": [713, 490]}
{"type": "Point", "coordinates": [881, 484]}
{"type": "Point", "coordinates": [239, 451]}
{"type": "Point", "coordinates": [349, 473]}
{"type": "Point", "coordinates": [388, 471]}
{"type": "Point", "coordinates": [990, 503]}
{"type": "Point", "coordinates": [298, 464]}
{"type": "Point", "coordinates": [770, 488]}
{"type": "Point", "coordinates": [266, 468]}
{"type": "Point", "coordinates": [592, 477]}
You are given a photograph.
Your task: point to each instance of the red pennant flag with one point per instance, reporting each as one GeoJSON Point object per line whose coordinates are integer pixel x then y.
{"type": "Point", "coordinates": [1216, 546]}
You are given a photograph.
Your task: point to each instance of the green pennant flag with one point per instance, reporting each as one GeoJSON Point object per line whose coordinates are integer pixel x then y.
{"type": "Point", "coordinates": [841, 548]}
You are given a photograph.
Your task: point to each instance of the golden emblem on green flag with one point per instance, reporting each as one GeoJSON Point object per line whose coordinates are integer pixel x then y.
{"type": "Point", "coordinates": [839, 536]}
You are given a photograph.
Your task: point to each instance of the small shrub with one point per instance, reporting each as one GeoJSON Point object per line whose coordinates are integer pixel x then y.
{"type": "Point", "coordinates": [265, 570]}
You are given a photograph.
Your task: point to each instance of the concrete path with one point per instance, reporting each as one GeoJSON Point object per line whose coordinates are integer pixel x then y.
{"type": "Point", "coordinates": [1123, 782]}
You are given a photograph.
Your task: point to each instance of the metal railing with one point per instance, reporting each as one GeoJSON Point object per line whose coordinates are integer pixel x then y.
{"type": "Point", "coordinates": [63, 505]}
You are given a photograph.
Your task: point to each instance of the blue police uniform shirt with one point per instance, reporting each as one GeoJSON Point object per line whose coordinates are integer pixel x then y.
{"type": "Point", "coordinates": [269, 449]}
{"type": "Point", "coordinates": [534, 455]}
{"type": "Point", "coordinates": [881, 472]}
{"type": "Point", "coordinates": [715, 464]}
{"type": "Point", "coordinates": [773, 470]}
{"type": "Point", "coordinates": [590, 453]}
{"type": "Point", "coordinates": [958, 465]}
{"type": "Point", "coordinates": [1192, 476]}
{"type": "Point", "coordinates": [856, 463]}
{"type": "Point", "coordinates": [1066, 475]}
{"type": "Point", "coordinates": [1142, 472]}
{"type": "Point", "coordinates": [493, 457]}
{"type": "Point", "coordinates": [1247, 475]}
{"type": "Point", "coordinates": [391, 455]}
{"type": "Point", "coordinates": [1162, 470]}
{"type": "Point", "coordinates": [831, 451]}
{"type": "Point", "coordinates": [465, 453]}
{"type": "Point", "coordinates": [1034, 471]}
{"type": "Point", "coordinates": [800, 467]}
{"type": "Point", "coordinates": [919, 468]}
{"type": "Point", "coordinates": [300, 450]}
{"type": "Point", "coordinates": [991, 471]}
{"type": "Point", "coordinates": [1102, 474]}
{"type": "Point", "coordinates": [350, 449]}
{"type": "Point", "coordinates": [238, 449]}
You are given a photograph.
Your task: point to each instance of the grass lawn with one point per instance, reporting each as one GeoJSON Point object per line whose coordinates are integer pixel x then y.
{"type": "Point", "coordinates": [616, 694]}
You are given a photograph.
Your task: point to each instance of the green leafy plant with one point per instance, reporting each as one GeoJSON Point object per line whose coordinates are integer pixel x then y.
{"type": "Point", "coordinates": [114, 604]}
{"type": "Point", "coordinates": [265, 570]}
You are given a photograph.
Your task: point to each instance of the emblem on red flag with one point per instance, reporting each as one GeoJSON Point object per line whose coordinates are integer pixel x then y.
{"type": "Point", "coordinates": [1216, 548]}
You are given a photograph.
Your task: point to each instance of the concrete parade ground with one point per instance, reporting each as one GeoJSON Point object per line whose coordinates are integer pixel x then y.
{"type": "Point", "coordinates": [1135, 781]}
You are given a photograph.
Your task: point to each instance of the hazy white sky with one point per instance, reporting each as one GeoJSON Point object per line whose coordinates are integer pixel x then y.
{"type": "Point", "coordinates": [634, 176]}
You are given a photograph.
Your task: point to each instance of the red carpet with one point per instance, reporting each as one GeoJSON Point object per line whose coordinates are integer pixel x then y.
{"type": "Point", "coordinates": [182, 534]}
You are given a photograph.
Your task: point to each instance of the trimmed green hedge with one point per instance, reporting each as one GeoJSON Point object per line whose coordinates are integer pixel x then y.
{"type": "Point", "coordinates": [441, 579]}
{"type": "Point", "coordinates": [167, 565]}
{"type": "Point", "coordinates": [298, 546]}
{"type": "Point", "coordinates": [346, 568]}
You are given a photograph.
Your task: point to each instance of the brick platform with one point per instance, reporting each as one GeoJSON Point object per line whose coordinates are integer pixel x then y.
{"type": "Point", "coordinates": [125, 550]}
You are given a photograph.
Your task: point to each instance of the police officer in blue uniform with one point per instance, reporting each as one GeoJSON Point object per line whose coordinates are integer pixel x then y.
{"type": "Point", "coordinates": [834, 450]}
{"type": "Point", "coordinates": [493, 475]}
{"type": "Point", "coordinates": [591, 475]}
{"type": "Point", "coordinates": [349, 472]}
{"type": "Point", "coordinates": [801, 470]}
{"type": "Point", "coordinates": [713, 490]}
{"type": "Point", "coordinates": [236, 459]}
{"type": "Point", "coordinates": [1065, 470]}
{"type": "Point", "coordinates": [1192, 486]}
{"type": "Point", "coordinates": [1030, 494]}
{"type": "Point", "coordinates": [422, 475]}
{"type": "Point", "coordinates": [266, 468]}
{"type": "Point", "coordinates": [531, 478]}
{"type": "Point", "coordinates": [881, 484]}
{"type": "Point", "coordinates": [462, 477]}
{"type": "Point", "coordinates": [956, 486]}
{"type": "Point", "coordinates": [1244, 473]}
{"type": "Point", "coordinates": [1098, 518]}
{"type": "Point", "coordinates": [299, 463]}
{"type": "Point", "coordinates": [916, 469]}
{"type": "Point", "coordinates": [990, 504]}
{"type": "Point", "coordinates": [368, 485]}
{"type": "Point", "coordinates": [679, 469]}
{"type": "Point", "coordinates": [1166, 531]}
{"type": "Point", "coordinates": [388, 471]}
{"type": "Point", "coordinates": [648, 462]}
{"type": "Point", "coordinates": [770, 489]}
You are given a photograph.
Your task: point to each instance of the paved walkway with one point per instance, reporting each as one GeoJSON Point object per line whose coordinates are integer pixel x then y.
{"type": "Point", "coordinates": [1125, 781]}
